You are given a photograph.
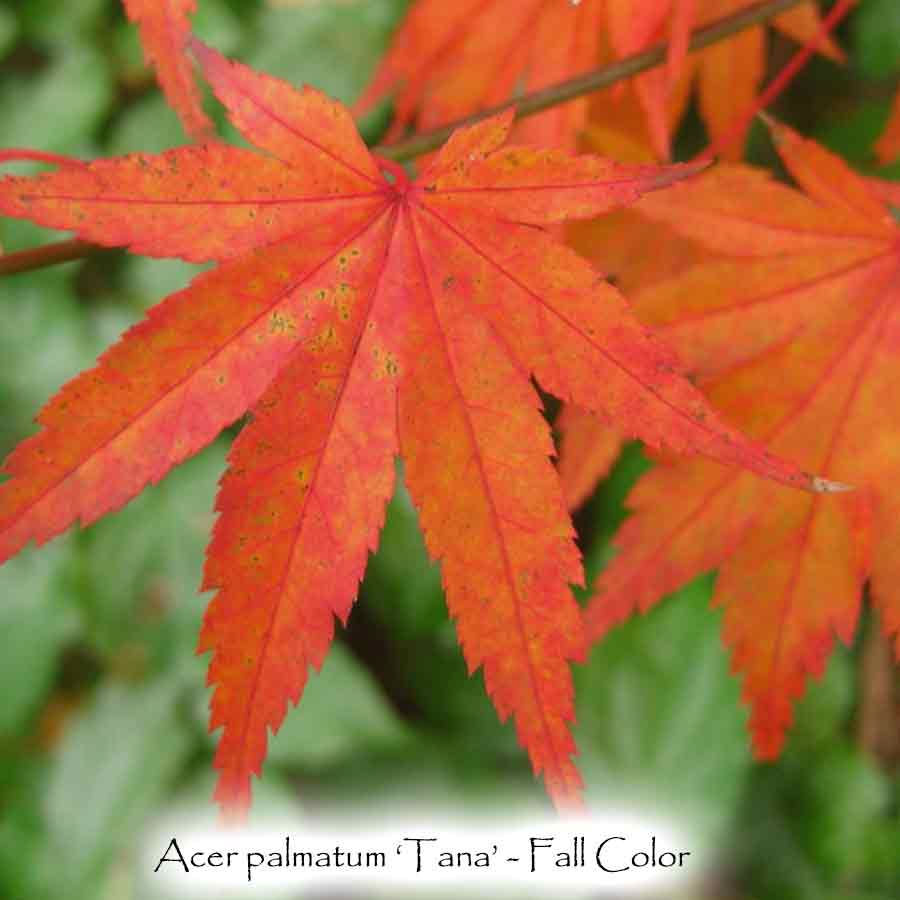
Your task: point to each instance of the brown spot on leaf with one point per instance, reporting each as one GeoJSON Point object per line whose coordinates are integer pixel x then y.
{"type": "Point", "coordinates": [280, 323]}
{"type": "Point", "coordinates": [324, 340]}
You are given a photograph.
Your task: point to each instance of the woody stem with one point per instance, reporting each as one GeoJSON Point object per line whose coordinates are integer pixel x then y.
{"type": "Point", "coordinates": [46, 255]}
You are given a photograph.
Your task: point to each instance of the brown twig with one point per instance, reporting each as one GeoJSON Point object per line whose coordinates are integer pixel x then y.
{"type": "Point", "coordinates": [878, 716]}
{"type": "Point", "coordinates": [47, 255]}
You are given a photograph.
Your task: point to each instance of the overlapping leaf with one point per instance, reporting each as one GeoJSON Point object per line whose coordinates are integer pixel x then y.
{"type": "Point", "coordinates": [165, 28]}
{"type": "Point", "coordinates": [618, 244]}
{"type": "Point", "coordinates": [634, 253]}
{"type": "Point", "coordinates": [358, 315]}
{"type": "Point", "coordinates": [729, 74]}
{"type": "Point", "coordinates": [451, 59]}
{"type": "Point", "coordinates": [798, 333]}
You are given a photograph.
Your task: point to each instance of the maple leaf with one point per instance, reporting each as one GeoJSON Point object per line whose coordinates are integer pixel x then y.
{"type": "Point", "coordinates": [619, 125]}
{"type": "Point", "coordinates": [618, 245]}
{"type": "Point", "coordinates": [727, 74]}
{"type": "Point", "coordinates": [164, 27]}
{"type": "Point", "coordinates": [798, 333]}
{"type": "Point", "coordinates": [888, 146]}
{"type": "Point", "coordinates": [358, 315]}
{"type": "Point", "coordinates": [448, 60]}
{"type": "Point", "coordinates": [889, 191]}
{"type": "Point", "coordinates": [588, 448]}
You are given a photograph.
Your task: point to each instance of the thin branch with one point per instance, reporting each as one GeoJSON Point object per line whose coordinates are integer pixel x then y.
{"type": "Point", "coordinates": [527, 105]}
{"type": "Point", "coordinates": [46, 255]}
{"type": "Point", "coordinates": [878, 713]}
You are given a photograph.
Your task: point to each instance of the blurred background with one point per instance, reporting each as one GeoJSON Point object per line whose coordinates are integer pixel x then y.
{"type": "Point", "coordinates": [103, 711]}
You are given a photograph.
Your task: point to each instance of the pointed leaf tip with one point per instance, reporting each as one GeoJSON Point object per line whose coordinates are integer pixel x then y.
{"type": "Point", "coordinates": [778, 131]}
{"type": "Point", "coordinates": [825, 486]}
{"type": "Point", "coordinates": [669, 175]}
{"type": "Point", "coordinates": [165, 29]}
{"type": "Point", "coordinates": [207, 58]}
{"type": "Point", "coordinates": [201, 52]}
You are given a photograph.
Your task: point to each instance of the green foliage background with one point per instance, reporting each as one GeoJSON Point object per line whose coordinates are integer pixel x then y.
{"type": "Point", "coordinates": [103, 718]}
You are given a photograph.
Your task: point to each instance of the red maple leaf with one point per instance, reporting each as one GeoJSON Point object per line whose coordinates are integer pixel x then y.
{"type": "Point", "coordinates": [449, 60]}
{"type": "Point", "coordinates": [798, 336]}
{"type": "Point", "coordinates": [357, 314]}
{"type": "Point", "coordinates": [165, 29]}
{"type": "Point", "coordinates": [618, 245]}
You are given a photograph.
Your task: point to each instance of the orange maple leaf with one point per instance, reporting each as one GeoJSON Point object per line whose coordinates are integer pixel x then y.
{"type": "Point", "coordinates": [798, 334]}
{"type": "Point", "coordinates": [448, 60]}
{"type": "Point", "coordinates": [635, 253]}
{"type": "Point", "coordinates": [888, 146]}
{"type": "Point", "coordinates": [358, 315]}
{"type": "Point", "coordinates": [727, 75]}
{"type": "Point", "coordinates": [451, 59]}
{"type": "Point", "coordinates": [164, 27]}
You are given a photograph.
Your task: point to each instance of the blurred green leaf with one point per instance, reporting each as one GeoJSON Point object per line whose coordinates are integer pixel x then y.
{"type": "Point", "coordinates": [115, 764]}
{"type": "Point", "coordinates": [8, 29]}
{"type": "Point", "coordinates": [825, 709]}
{"type": "Point", "coordinates": [22, 832]}
{"type": "Point", "coordinates": [853, 132]}
{"type": "Point", "coordinates": [47, 21]}
{"type": "Point", "coordinates": [149, 280]}
{"type": "Point", "coordinates": [45, 341]}
{"type": "Point", "coordinates": [431, 774]}
{"type": "Point", "coordinates": [60, 108]}
{"type": "Point", "coordinates": [605, 511]}
{"type": "Point", "coordinates": [403, 591]}
{"type": "Point", "coordinates": [148, 126]}
{"type": "Point", "coordinates": [811, 817]}
{"type": "Point", "coordinates": [217, 24]}
{"type": "Point", "coordinates": [342, 712]}
{"type": "Point", "coordinates": [659, 717]}
{"type": "Point", "coordinates": [882, 862]}
{"type": "Point", "coordinates": [142, 568]}
{"type": "Point", "coordinates": [876, 38]}
{"type": "Point", "coordinates": [275, 796]}
{"type": "Point", "coordinates": [400, 580]}
{"type": "Point", "coordinates": [332, 46]}
{"type": "Point", "coordinates": [847, 794]}
{"type": "Point", "coordinates": [37, 619]}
